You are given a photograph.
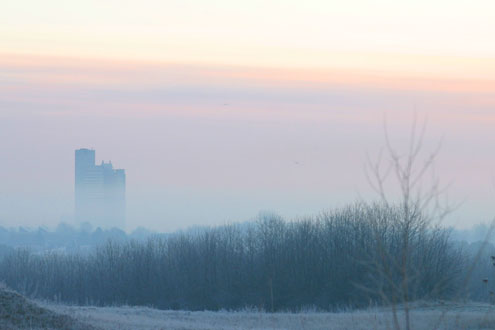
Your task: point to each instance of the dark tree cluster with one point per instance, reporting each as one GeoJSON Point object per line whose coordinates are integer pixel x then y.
{"type": "Point", "coordinates": [347, 257]}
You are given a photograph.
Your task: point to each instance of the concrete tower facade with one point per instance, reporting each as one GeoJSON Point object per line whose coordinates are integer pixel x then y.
{"type": "Point", "coordinates": [99, 191]}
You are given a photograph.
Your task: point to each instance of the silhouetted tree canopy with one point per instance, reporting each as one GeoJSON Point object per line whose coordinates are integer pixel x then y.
{"type": "Point", "coordinates": [330, 260]}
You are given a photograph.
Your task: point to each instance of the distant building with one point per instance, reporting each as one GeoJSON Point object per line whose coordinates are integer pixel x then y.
{"type": "Point", "coordinates": [99, 191]}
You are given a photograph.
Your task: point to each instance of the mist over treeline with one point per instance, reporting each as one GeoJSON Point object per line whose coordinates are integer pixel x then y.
{"type": "Point", "coordinates": [83, 238]}
{"type": "Point", "coordinates": [345, 257]}
{"type": "Point", "coordinates": [66, 238]}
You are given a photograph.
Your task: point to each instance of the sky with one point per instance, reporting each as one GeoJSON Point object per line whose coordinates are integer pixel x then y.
{"type": "Point", "coordinates": [221, 109]}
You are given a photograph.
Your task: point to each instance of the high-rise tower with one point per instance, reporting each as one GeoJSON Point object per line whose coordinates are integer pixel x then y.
{"type": "Point", "coordinates": [99, 191]}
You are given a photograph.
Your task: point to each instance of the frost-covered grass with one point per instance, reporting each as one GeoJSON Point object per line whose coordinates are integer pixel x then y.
{"type": "Point", "coordinates": [439, 316]}
{"type": "Point", "coordinates": [17, 312]}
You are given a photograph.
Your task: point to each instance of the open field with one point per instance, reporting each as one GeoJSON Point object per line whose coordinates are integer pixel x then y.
{"type": "Point", "coordinates": [17, 312]}
{"type": "Point", "coordinates": [445, 316]}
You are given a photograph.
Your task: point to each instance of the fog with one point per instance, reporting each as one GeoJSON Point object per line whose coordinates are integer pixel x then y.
{"type": "Point", "coordinates": [200, 152]}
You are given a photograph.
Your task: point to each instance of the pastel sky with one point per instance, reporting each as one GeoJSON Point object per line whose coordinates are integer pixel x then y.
{"type": "Point", "coordinates": [221, 109]}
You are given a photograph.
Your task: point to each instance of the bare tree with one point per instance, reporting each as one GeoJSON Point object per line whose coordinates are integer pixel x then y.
{"type": "Point", "coordinates": [422, 205]}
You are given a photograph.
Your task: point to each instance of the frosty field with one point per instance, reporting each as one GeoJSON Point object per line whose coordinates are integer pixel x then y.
{"type": "Point", "coordinates": [445, 316]}
{"type": "Point", "coordinates": [17, 312]}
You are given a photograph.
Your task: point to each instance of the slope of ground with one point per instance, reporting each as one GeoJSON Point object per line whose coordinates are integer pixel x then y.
{"type": "Point", "coordinates": [16, 312]}
{"type": "Point", "coordinates": [445, 317]}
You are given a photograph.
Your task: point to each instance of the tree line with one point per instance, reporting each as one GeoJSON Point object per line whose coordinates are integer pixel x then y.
{"type": "Point", "coordinates": [65, 237]}
{"type": "Point", "coordinates": [347, 257]}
